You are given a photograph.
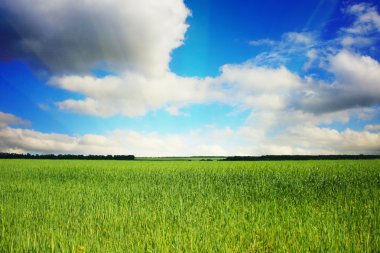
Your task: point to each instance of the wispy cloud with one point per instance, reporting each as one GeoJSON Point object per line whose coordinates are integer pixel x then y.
{"type": "Point", "coordinates": [10, 119]}
{"type": "Point", "coordinates": [374, 128]}
{"type": "Point", "coordinates": [367, 19]}
{"type": "Point", "coordinates": [364, 31]}
{"type": "Point", "coordinates": [291, 45]}
{"type": "Point", "coordinates": [262, 42]}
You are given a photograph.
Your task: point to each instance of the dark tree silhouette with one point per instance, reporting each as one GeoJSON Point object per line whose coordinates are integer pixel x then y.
{"type": "Point", "coordinates": [300, 157]}
{"type": "Point", "coordinates": [65, 156]}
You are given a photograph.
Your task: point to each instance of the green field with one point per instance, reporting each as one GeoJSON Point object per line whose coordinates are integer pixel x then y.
{"type": "Point", "coordinates": [189, 206]}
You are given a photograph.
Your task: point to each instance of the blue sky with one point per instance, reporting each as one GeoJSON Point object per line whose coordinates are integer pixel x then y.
{"type": "Point", "coordinates": [185, 78]}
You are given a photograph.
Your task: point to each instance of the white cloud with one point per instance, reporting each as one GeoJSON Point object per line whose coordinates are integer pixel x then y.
{"type": "Point", "coordinates": [10, 119]}
{"type": "Point", "coordinates": [67, 35]}
{"type": "Point", "coordinates": [362, 33]}
{"type": "Point", "coordinates": [43, 106]}
{"type": "Point", "coordinates": [174, 110]}
{"type": "Point", "coordinates": [357, 82]}
{"type": "Point", "coordinates": [290, 40]}
{"type": "Point", "coordinates": [113, 142]}
{"type": "Point", "coordinates": [247, 140]}
{"type": "Point", "coordinates": [265, 102]}
{"type": "Point", "coordinates": [287, 109]}
{"type": "Point", "coordinates": [291, 45]}
{"type": "Point", "coordinates": [357, 72]}
{"type": "Point", "coordinates": [304, 38]}
{"type": "Point", "coordinates": [368, 113]}
{"type": "Point", "coordinates": [258, 80]}
{"type": "Point", "coordinates": [133, 94]}
{"type": "Point", "coordinates": [137, 40]}
{"type": "Point", "coordinates": [246, 85]}
{"type": "Point", "coordinates": [312, 56]}
{"type": "Point", "coordinates": [364, 30]}
{"type": "Point", "coordinates": [265, 126]}
{"type": "Point", "coordinates": [290, 118]}
{"type": "Point", "coordinates": [333, 141]}
{"type": "Point", "coordinates": [367, 19]}
{"type": "Point", "coordinates": [262, 42]}
{"type": "Point", "coordinates": [374, 128]}
{"type": "Point", "coordinates": [348, 41]}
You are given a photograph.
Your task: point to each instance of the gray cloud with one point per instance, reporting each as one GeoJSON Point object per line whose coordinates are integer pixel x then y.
{"type": "Point", "coordinates": [71, 35]}
{"type": "Point", "coordinates": [357, 82]}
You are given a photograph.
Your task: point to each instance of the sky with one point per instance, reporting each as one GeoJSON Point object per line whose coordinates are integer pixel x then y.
{"type": "Point", "coordinates": [186, 78]}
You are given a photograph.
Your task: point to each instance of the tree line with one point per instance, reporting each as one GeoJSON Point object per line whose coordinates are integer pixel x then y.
{"type": "Point", "coordinates": [65, 156]}
{"type": "Point", "coordinates": [300, 157]}
{"type": "Point", "coordinates": [229, 158]}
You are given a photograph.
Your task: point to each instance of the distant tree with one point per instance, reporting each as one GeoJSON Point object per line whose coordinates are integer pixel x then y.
{"type": "Point", "coordinates": [300, 157]}
{"type": "Point", "coordinates": [65, 156]}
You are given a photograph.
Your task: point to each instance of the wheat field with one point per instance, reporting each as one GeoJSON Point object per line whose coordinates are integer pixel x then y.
{"type": "Point", "coordinates": [189, 206]}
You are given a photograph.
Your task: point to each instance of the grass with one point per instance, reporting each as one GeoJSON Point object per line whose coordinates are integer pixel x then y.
{"type": "Point", "coordinates": [181, 206]}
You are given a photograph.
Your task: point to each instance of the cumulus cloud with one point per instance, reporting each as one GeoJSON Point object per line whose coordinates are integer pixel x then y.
{"type": "Point", "coordinates": [333, 141]}
{"type": "Point", "coordinates": [137, 39]}
{"type": "Point", "coordinates": [247, 140]}
{"type": "Point", "coordinates": [257, 80]}
{"type": "Point", "coordinates": [133, 94]}
{"type": "Point", "coordinates": [69, 35]}
{"type": "Point", "coordinates": [357, 82]}
{"type": "Point", "coordinates": [356, 85]}
{"type": "Point", "coordinates": [115, 142]}
{"type": "Point", "coordinates": [257, 88]}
